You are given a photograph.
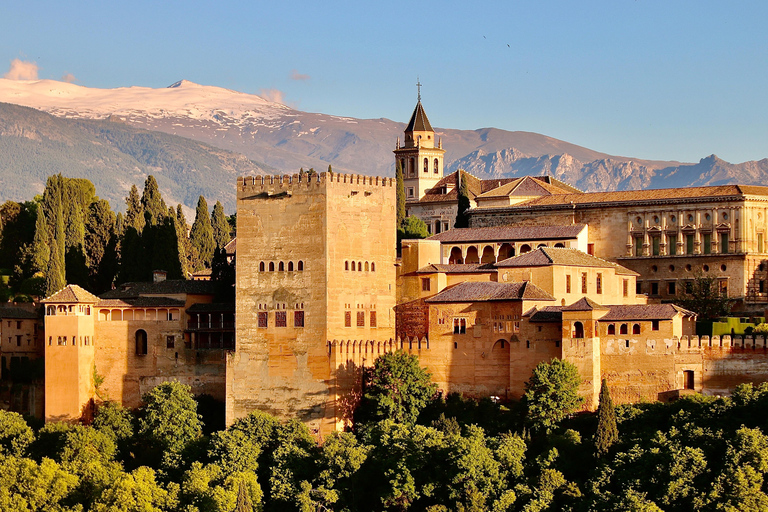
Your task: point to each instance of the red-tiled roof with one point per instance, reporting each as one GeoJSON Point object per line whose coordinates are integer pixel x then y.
{"type": "Point", "coordinates": [168, 287]}
{"type": "Point", "coordinates": [72, 293]}
{"type": "Point", "coordinates": [584, 304]}
{"type": "Point", "coordinates": [17, 313]}
{"type": "Point", "coordinates": [231, 247]}
{"type": "Point", "coordinates": [490, 291]}
{"type": "Point", "coordinates": [456, 268]}
{"type": "Point", "coordinates": [509, 233]}
{"type": "Point", "coordinates": [546, 256]}
{"type": "Point", "coordinates": [545, 314]}
{"type": "Point", "coordinates": [140, 302]}
{"type": "Point", "coordinates": [644, 312]}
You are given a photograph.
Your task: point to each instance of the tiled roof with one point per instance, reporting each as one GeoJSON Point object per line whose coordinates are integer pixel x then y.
{"type": "Point", "coordinates": [72, 293]}
{"type": "Point", "coordinates": [168, 287]}
{"type": "Point", "coordinates": [490, 291]}
{"type": "Point", "coordinates": [545, 314]}
{"type": "Point", "coordinates": [584, 304]}
{"type": "Point", "coordinates": [214, 307]}
{"type": "Point", "coordinates": [419, 121]}
{"type": "Point", "coordinates": [455, 268]}
{"type": "Point", "coordinates": [231, 247]}
{"type": "Point", "coordinates": [140, 302]}
{"type": "Point", "coordinates": [17, 313]}
{"type": "Point", "coordinates": [546, 256]}
{"type": "Point", "coordinates": [509, 233]}
{"type": "Point", "coordinates": [489, 188]}
{"type": "Point", "coordinates": [526, 186]}
{"type": "Point", "coordinates": [205, 272]}
{"type": "Point", "coordinates": [644, 312]}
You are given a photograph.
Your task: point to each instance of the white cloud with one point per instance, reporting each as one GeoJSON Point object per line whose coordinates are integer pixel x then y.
{"type": "Point", "coordinates": [273, 95]}
{"type": "Point", "coordinates": [68, 77]}
{"type": "Point", "coordinates": [295, 75]}
{"type": "Point", "coordinates": [22, 70]}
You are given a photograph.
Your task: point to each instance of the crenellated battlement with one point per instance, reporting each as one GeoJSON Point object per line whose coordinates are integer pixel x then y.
{"type": "Point", "coordinates": [251, 185]}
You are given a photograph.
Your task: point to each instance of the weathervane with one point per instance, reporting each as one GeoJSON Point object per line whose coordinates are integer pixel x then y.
{"type": "Point", "coordinates": [418, 86]}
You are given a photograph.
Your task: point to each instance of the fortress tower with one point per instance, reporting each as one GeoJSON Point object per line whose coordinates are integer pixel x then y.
{"type": "Point", "coordinates": [315, 269]}
{"type": "Point", "coordinates": [420, 156]}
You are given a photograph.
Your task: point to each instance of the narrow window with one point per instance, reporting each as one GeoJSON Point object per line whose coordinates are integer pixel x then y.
{"type": "Point", "coordinates": [359, 266]}
{"type": "Point", "coordinates": [281, 319]}
{"type": "Point", "coordinates": [141, 342]}
{"type": "Point", "coordinates": [578, 330]}
{"type": "Point", "coordinates": [599, 283]}
{"type": "Point", "coordinates": [656, 245]}
{"type": "Point", "coordinates": [373, 319]}
{"type": "Point", "coordinates": [761, 284]}
{"type": "Point", "coordinates": [263, 315]}
{"type": "Point", "coordinates": [638, 246]}
{"type": "Point", "coordinates": [366, 267]}
{"type": "Point", "coordinates": [636, 329]}
{"type": "Point", "coordinates": [723, 287]}
{"type": "Point", "coordinates": [298, 319]}
{"type": "Point", "coordinates": [583, 282]}
{"type": "Point", "coordinates": [300, 266]}
{"type": "Point", "coordinates": [568, 284]}
{"type": "Point", "coordinates": [689, 244]}
{"type": "Point", "coordinates": [170, 341]}
{"type": "Point", "coordinates": [654, 288]}
{"type": "Point", "coordinates": [271, 266]}
{"type": "Point", "coordinates": [437, 167]}
{"type": "Point", "coordinates": [654, 325]}
{"type": "Point", "coordinates": [261, 267]}
{"type": "Point", "coordinates": [623, 329]}
{"type": "Point", "coordinates": [707, 243]}
{"type": "Point", "coordinates": [361, 318]}
{"type": "Point", "coordinates": [611, 329]}
{"type": "Point", "coordinates": [724, 247]}
{"type": "Point", "coordinates": [759, 242]}
{"type": "Point", "coordinates": [373, 267]}
{"type": "Point", "coordinates": [354, 266]}
{"type": "Point", "coordinates": [625, 286]}
{"type": "Point", "coordinates": [638, 287]}
{"type": "Point", "coordinates": [688, 379]}
{"type": "Point", "coordinates": [290, 266]}
{"type": "Point", "coordinates": [671, 288]}
{"type": "Point", "coordinates": [346, 265]}
{"type": "Point", "coordinates": [591, 249]}
{"type": "Point", "coordinates": [672, 245]}
{"type": "Point", "coordinates": [281, 267]}
{"type": "Point", "coordinates": [347, 319]}
{"type": "Point", "coordinates": [426, 165]}
{"type": "Point", "coordinates": [425, 284]}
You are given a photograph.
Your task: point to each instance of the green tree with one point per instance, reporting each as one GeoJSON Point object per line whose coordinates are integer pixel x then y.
{"type": "Point", "coordinates": [101, 241]}
{"type": "Point", "coordinates": [462, 219]}
{"type": "Point", "coordinates": [412, 228]}
{"type": "Point", "coordinates": [54, 274]}
{"type": "Point", "coordinates": [134, 492]}
{"type": "Point", "coordinates": [201, 234]}
{"type": "Point", "coordinates": [26, 485]}
{"type": "Point", "coordinates": [551, 394]}
{"type": "Point", "coordinates": [191, 256]}
{"type": "Point", "coordinates": [152, 202]}
{"type": "Point", "coordinates": [397, 388]}
{"type": "Point", "coordinates": [41, 252]}
{"type": "Point", "coordinates": [607, 432]}
{"type": "Point", "coordinates": [702, 296]}
{"type": "Point", "coordinates": [134, 214]}
{"type": "Point", "coordinates": [15, 434]}
{"type": "Point", "coordinates": [220, 226]}
{"type": "Point", "coordinates": [400, 187]}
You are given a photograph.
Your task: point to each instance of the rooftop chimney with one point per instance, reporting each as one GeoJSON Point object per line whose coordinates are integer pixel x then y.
{"type": "Point", "coordinates": [159, 276]}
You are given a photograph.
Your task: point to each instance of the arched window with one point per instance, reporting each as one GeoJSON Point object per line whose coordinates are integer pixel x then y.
{"type": "Point", "coordinates": [488, 256]}
{"type": "Point", "coordinates": [623, 329]}
{"type": "Point", "coordinates": [525, 248]}
{"type": "Point", "coordinates": [281, 267]}
{"type": "Point", "coordinates": [346, 265]}
{"type": "Point", "coordinates": [611, 328]}
{"type": "Point", "coordinates": [354, 266]}
{"type": "Point", "coordinates": [426, 164]}
{"type": "Point", "coordinates": [560, 244]}
{"type": "Point", "coordinates": [636, 329]}
{"type": "Point", "coordinates": [366, 266]}
{"type": "Point", "coordinates": [472, 256]}
{"type": "Point", "coordinates": [300, 266]}
{"type": "Point", "coordinates": [359, 266]}
{"type": "Point", "coordinates": [141, 342]}
{"type": "Point", "coordinates": [455, 257]}
{"type": "Point", "coordinates": [578, 330]}
{"type": "Point", "coordinates": [290, 266]}
{"type": "Point", "coordinates": [437, 167]}
{"type": "Point", "coordinates": [50, 310]}
{"type": "Point", "coordinates": [411, 166]}
{"type": "Point", "coordinates": [373, 267]}
{"type": "Point", "coordinates": [271, 266]}
{"type": "Point", "coordinates": [261, 267]}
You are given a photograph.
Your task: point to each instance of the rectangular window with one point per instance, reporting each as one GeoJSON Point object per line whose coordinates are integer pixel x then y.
{"type": "Point", "coordinates": [18, 324]}
{"type": "Point", "coordinates": [638, 246]}
{"type": "Point", "coordinates": [262, 319]}
{"type": "Point", "coordinates": [459, 326]}
{"type": "Point", "coordinates": [567, 284]}
{"type": "Point", "coordinates": [654, 288]}
{"type": "Point", "coordinates": [599, 282]}
{"type": "Point", "coordinates": [281, 319]}
{"type": "Point", "coordinates": [170, 341]}
{"type": "Point", "coordinates": [591, 249]}
{"type": "Point", "coordinates": [689, 287]}
{"type": "Point", "coordinates": [759, 242]}
{"type": "Point", "coordinates": [18, 340]}
{"type": "Point", "coordinates": [626, 287]}
{"type": "Point", "coordinates": [347, 319]}
{"type": "Point", "coordinates": [298, 319]}
{"type": "Point", "coordinates": [583, 282]}
{"type": "Point", "coordinates": [361, 318]}
{"type": "Point", "coordinates": [654, 325]}
{"type": "Point", "coordinates": [724, 287]}
{"type": "Point", "coordinates": [707, 243]}
{"type": "Point", "coordinates": [724, 245]}
{"type": "Point", "coordinates": [671, 288]}
{"type": "Point", "coordinates": [410, 191]}
{"type": "Point", "coordinates": [445, 226]}
{"type": "Point", "coordinates": [672, 245]}
{"type": "Point", "coordinates": [638, 287]}
{"type": "Point", "coordinates": [373, 319]}
{"type": "Point", "coordinates": [516, 327]}
{"type": "Point", "coordinates": [688, 244]}
{"type": "Point", "coordinates": [762, 286]}
{"type": "Point", "coordinates": [425, 284]}
{"type": "Point", "coordinates": [656, 245]}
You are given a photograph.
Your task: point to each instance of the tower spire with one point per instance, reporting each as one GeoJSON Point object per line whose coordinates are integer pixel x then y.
{"type": "Point", "coordinates": [418, 87]}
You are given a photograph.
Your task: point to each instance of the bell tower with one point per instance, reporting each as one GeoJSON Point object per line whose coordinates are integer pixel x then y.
{"type": "Point", "coordinates": [420, 155]}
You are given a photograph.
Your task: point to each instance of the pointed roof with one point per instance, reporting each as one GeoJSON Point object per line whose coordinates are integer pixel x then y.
{"type": "Point", "coordinates": [585, 304]}
{"type": "Point", "coordinates": [419, 121]}
{"type": "Point", "coordinates": [72, 294]}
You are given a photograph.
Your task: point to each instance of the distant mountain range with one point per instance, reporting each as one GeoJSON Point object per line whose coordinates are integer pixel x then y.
{"type": "Point", "coordinates": [275, 138]}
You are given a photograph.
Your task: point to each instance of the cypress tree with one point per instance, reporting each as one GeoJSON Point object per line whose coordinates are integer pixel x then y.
{"type": "Point", "coordinates": [99, 234]}
{"type": "Point", "coordinates": [201, 234]}
{"type": "Point", "coordinates": [243, 503]}
{"type": "Point", "coordinates": [462, 220]}
{"type": "Point", "coordinates": [165, 250]}
{"type": "Point", "coordinates": [220, 226]}
{"type": "Point", "coordinates": [190, 253]}
{"type": "Point", "coordinates": [330, 169]}
{"type": "Point", "coordinates": [54, 275]}
{"type": "Point", "coordinates": [74, 233]}
{"type": "Point", "coordinates": [41, 252]}
{"type": "Point", "coordinates": [58, 242]}
{"type": "Point", "coordinates": [134, 214]}
{"type": "Point", "coordinates": [400, 195]}
{"type": "Point", "coordinates": [607, 432]}
{"type": "Point", "coordinates": [152, 201]}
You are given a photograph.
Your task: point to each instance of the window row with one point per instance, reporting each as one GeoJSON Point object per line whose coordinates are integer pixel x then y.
{"type": "Point", "coordinates": [360, 320]}
{"type": "Point", "coordinates": [62, 341]}
{"type": "Point", "coordinates": [281, 266]}
{"type": "Point", "coordinates": [624, 328]}
{"type": "Point", "coordinates": [671, 288]}
{"type": "Point", "coordinates": [687, 245]}
{"type": "Point", "coordinates": [298, 305]}
{"type": "Point", "coordinates": [124, 315]}
{"type": "Point", "coordinates": [360, 266]}
{"type": "Point", "coordinates": [409, 166]}
{"type": "Point", "coordinates": [585, 283]}
{"type": "Point", "coordinates": [71, 309]}
{"type": "Point", "coordinates": [280, 319]}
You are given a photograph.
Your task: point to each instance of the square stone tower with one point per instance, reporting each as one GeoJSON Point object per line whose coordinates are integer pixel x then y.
{"type": "Point", "coordinates": [315, 268]}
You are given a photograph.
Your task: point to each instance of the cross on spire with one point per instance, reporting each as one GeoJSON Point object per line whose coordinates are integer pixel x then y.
{"type": "Point", "coordinates": [418, 86]}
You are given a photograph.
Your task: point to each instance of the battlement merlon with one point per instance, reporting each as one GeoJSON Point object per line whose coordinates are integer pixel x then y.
{"type": "Point", "coordinates": [248, 186]}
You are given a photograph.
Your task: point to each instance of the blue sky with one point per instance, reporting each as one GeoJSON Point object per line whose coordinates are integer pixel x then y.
{"type": "Point", "coordinates": [667, 80]}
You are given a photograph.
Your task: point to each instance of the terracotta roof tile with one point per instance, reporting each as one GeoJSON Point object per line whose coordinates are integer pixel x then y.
{"type": "Point", "coordinates": [584, 304]}
{"type": "Point", "coordinates": [466, 268]}
{"type": "Point", "coordinates": [17, 313]}
{"type": "Point", "coordinates": [140, 302]}
{"type": "Point", "coordinates": [545, 314]}
{"type": "Point", "coordinates": [546, 256]}
{"type": "Point", "coordinates": [169, 287]}
{"type": "Point", "coordinates": [490, 291]}
{"type": "Point", "coordinates": [231, 247]}
{"type": "Point", "coordinates": [644, 312]}
{"type": "Point", "coordinates": [509, 233]}
{"type": "Point", "coordinates": [72, 293]}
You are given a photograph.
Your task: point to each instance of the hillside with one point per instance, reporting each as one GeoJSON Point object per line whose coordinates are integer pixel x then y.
{"type": "Point", "coordinates": [113, 155]}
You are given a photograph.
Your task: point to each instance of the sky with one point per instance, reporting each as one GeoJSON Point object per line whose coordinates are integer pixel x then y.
{"type": "Point", "coordinates": [660, 80]}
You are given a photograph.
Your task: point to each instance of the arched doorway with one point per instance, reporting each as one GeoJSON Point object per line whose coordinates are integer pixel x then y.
{"type": "Point", "coordinates": [455, 257]}
{"type": "Point", "coordinates": [506, 251]}
{"type": "Point", "coordinates": [578, 330]}
{"type": "Point", "coordinates": [141, 342]}
{"type": "Point", "coordinates": [488, 255]}
{"type": "Point", "coordinates": [472, 256]}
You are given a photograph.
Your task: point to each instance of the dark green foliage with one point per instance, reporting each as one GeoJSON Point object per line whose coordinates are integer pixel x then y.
{"type": "Point", "coordinates": [232, 220]}
{"type": "Point", "coordinates": [152, 202]}
{"type": "Point", "coordinates": [40, 249]}
{"type": "Point", "coordinates": [462, 219]}
{"type": "Point", "coordinates": [54, 274]}
{"type": "Point", "coordinates": [551, 394]}
{"type": "Point", "coordinates": [400, 195]}
{"type": "Point", "coordinates": [412, 228]}
{"type": "Point", "coordinates": [220, 226]}
{"type": "Point", "coordinates": [134, 213]}
{"type": "Point", "coordinates": [607, 432]}
{"type": "Point", "coordinates": [18, 222]}
{"type": "Point", "coordinates": [15, 434]}
{"type": "Point", "coordinates": [201, 234]}
{"type": "Point", "coordinates": [223, 274]}
{"type": "Point", "coordinates": [704, 298]}
{"type": "Point", "coordinates": [76, 267]}
{"type": "Point", "coordinates": [396, 388]}
{"type": "Point", "coordinates": [101, 246]}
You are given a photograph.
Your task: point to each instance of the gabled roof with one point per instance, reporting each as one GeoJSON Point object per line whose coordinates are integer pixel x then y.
{"type": "Point", "coordinates": [434, 268]}
{"type": "Point", "coordinates": [490, 291]}
{"type": "Point", "coordinates": [644, 312]}
{"type": "Point", "coordinates": [72, 293]}
{"type": "Point", "coordinates": [231, 247]}
{"type": "Point", "coordinates": [419, 121]}
{"type": "Point", "coordinates": [585, 304]}
{"type": "Point", "coordinates": [525, 186]}
{"type": "Point", "coordinates": [550, 256]}
{"type": "Point", "coordinates": [509, 233]}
